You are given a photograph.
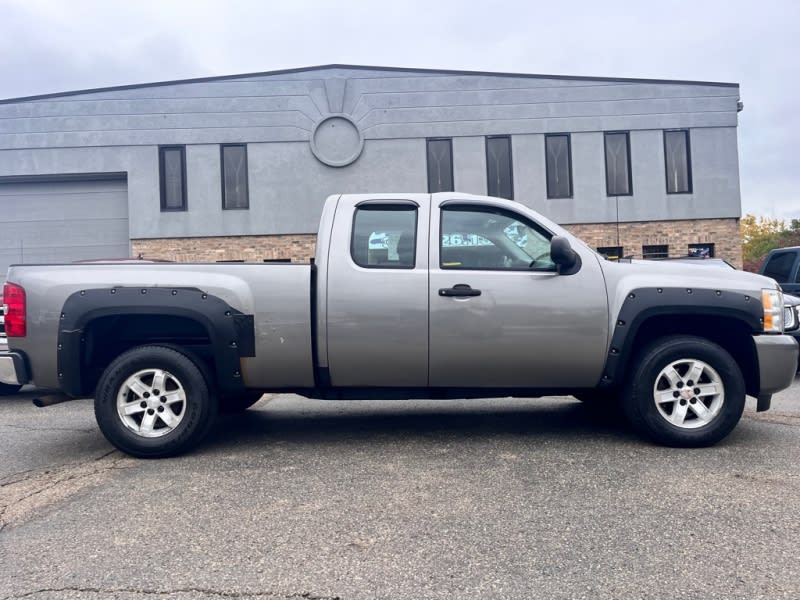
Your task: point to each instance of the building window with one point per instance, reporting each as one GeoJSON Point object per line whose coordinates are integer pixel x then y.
{"type": "Point", "coordinates": [678, 162]}
{"type": "Point", "coordinates": [440, 165]}
{"type": "Point", "coordinates": [701, 250]}
{"type": "Point", "coordinates": [499, 173]}
{"type": "Point", "coordinates": [618, 164]}
{"type": "Point", "coordinates": [559, 165]}
{"type": "Point", "coordinates": [385, 236]}
{"type": "Point", "coordinates": [611, 252]}
{"type": "Point", "coordinates": [234, 176]}
{"type": "Point", "coordinates": [658, 251]}
{"type": "Point", "coordinates": [172, 177]}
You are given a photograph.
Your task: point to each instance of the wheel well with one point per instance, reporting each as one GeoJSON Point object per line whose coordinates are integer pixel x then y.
{"type": "Point", "coordinates": [105, 338]}
{"type": "Point", "coordinates": [732, 334]}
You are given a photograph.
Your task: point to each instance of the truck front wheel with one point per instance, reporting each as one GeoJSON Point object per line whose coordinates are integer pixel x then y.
{"type": "Point", "coordinates": [153, 401]}
{"type": "Point", "coordinates": [685, 391]}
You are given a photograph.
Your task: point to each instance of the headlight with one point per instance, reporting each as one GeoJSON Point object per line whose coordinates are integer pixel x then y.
{"type": "Point", "coordinates": [772, 303]}
{"type": "Point", "coordinates": [790, 316]}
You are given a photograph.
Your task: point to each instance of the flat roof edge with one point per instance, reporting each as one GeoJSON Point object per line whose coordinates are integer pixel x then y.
{"type": "Point", "coordinates": [360, 68]}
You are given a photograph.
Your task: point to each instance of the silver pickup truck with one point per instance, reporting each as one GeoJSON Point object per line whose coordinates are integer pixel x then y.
{"type": "Point", "coordinates": [410, 296]}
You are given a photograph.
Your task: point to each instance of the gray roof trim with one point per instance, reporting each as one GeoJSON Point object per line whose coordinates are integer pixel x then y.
{"type": "Point", "coordinates": [363, 68]}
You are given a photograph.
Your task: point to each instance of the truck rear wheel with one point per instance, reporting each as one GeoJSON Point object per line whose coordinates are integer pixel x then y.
{"type": "Point", "coordinates": [153, 401]}
{"type": "Point", "coordinates": [685, 391]}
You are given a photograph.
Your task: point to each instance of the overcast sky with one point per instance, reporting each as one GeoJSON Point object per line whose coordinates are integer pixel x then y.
{"type": "Point", "coordinates": [60, 45]}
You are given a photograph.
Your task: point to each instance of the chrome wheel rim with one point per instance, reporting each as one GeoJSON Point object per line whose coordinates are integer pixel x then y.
{"type": "Point", "coordinates": [689, 393]}
{"type": "Point", "coordinates": [151, 403]}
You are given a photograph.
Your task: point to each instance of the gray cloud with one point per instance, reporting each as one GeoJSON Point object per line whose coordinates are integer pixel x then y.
{"type": "Point", "coordinates": [51, 46]}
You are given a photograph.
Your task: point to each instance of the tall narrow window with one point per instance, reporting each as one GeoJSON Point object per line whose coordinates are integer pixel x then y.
{"type": "Point", "coordinates": [678, 162]}
{"type": "Point", "coordinates": [440, 165]}
{"type": "Point", "coordinates": [234, 176]}
{"type": "Point", "coordinates": [172, 177]}
{"type": "Point", "coordinates": [618, 164]}
{"type": "Point", "coordinates": [559, 165]}
{"type": "Point", "coordinates": [499, 173]}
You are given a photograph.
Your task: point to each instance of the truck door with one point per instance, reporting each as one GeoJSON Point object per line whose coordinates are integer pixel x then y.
{"type": "Point", "coordinates": [377, 293]}
{"type": "Point", "coordinates": [500, 314]}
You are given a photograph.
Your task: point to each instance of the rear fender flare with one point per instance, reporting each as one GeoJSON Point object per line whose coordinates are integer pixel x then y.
{"type": "Point", "coordinates": [230, 331]}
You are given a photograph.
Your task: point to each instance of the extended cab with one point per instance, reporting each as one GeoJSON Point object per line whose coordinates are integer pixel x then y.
{"type": "Point", "coordinates": [410, 296]}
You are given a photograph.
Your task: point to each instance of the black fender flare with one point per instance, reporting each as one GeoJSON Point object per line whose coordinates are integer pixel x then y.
{"type": "Point", "coordinates": [642, 304]}
{"type": "Point", "coordinates": [231, 332]}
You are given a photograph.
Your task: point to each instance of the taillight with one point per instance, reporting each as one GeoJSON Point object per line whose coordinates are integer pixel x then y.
{"type": "Point", "coordinates": [14, 300]}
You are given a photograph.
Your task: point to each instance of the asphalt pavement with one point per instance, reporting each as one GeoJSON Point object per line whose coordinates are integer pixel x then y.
{"type": "Point", "coordinates": [538, 498]}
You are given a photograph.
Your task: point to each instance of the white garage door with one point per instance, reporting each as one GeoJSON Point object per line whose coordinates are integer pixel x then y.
{"type": "Point", "coordinates": [62, 221]}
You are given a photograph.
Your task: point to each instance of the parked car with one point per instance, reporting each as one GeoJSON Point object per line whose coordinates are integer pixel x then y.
{"type": "Point", "coordinates": [410, 296]}
{"type": "Point", "coordinates": [791, 303]}
{"type": "Point", "coordinates": [783, 265]}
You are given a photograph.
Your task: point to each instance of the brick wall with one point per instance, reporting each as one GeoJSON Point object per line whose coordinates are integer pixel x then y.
{"type": "Point", "coordinates": [250, 248]}
{"type": "Point", "coordinates": [723, 233]}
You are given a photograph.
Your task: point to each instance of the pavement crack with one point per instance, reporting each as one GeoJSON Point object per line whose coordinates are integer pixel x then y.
{"type": "Point", "coordinates": [170, 592]}
{"type": "Point", "coordinates": [27, 492]}
{"type": "Point", "coordinates": [20, 474]}
{"type": "Point", "coordinates": [777, 418]}
{"type": "Point", "coordinates": [109, 453]}
{"type": "Point", "coordinates": [29, 428]}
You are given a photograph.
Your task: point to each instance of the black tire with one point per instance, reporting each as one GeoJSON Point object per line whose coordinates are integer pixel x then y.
{"type": "Point", "coordinates": [194, 414]}
{"type": "Point", "coordinates": [230, 405]}
{"type": "Point", "coordinates": [7, 389]}
{"type": "Point", "coordinates": [706, 417]}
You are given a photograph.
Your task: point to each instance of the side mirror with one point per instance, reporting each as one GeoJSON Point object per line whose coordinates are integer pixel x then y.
{"type": "Point", "coordinates": [561, 253]}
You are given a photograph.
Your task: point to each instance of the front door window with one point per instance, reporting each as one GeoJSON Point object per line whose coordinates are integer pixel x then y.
{"type": "Point", "coordinates": [487, 238]}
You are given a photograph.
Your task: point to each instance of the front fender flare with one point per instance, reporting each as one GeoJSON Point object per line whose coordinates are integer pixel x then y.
{"type": "Point", "coordinates": [642, 304]}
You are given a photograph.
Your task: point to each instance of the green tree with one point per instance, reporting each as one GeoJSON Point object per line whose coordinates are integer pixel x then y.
{"type": "Point", "coordinates": [762, 234]}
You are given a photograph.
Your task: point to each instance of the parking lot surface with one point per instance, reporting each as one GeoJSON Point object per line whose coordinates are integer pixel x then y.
{"type": "Point", "coordinates": [539, 498]}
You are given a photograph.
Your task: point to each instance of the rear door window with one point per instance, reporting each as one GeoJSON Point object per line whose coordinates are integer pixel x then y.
{"type": "Point", "coordinates": [384, 236]}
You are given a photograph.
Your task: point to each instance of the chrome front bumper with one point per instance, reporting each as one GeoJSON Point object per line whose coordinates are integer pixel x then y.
{"type": "Point", "coordinates": [13, 370]}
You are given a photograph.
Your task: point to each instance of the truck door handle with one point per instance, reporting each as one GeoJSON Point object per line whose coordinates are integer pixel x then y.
{"type": "Point", "coordinates": [460, 289]}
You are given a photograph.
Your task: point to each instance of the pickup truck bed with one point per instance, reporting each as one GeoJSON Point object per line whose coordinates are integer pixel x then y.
{"type": "Point", "coordinates": [278, 294]}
